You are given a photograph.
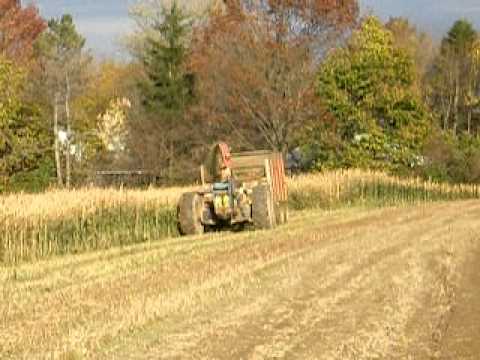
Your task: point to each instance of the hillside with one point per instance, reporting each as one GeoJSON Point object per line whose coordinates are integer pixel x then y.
{"type": "Point", "coordinates": [347, 284]}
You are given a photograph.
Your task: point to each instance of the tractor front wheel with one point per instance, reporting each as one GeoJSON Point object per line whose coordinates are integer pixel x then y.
{"type": "Point", "coordinates": [189, 214]}
{"type": "Point", "coordinates": [263, 208]}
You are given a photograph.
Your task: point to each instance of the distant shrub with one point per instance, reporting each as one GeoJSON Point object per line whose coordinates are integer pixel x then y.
{"type": "Point", "coordinates": [452, 159]}
{"type": "Point", "coordinates": [33, 181]}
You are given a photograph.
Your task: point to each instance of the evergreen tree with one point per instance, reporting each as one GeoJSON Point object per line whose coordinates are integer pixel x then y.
{"type": "Point", "coordinates": [168, 87]}
{"type": "Point", "coordinates": [163, 132]}
{"type": "Point", "coordinates": [461, 38]}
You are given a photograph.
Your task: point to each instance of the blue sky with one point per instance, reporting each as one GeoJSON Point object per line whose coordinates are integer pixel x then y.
{"type": "Point", "coordinates": [104, 22]}
{"type": "Point", "coordinates": [433, 16]}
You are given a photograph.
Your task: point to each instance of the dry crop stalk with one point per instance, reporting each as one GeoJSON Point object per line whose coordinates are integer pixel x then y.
{"type": "Point", "coordinates": [95, 214]}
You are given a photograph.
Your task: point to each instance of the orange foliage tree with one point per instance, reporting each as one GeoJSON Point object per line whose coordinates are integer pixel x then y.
{"type": "Point", "coordinates": [255, 64]}
{"type": "Point", "coordinates": [19, 28]}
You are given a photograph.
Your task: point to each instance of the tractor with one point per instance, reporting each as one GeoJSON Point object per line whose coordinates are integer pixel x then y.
{"type": "Point", "coordinates": [238, 189]}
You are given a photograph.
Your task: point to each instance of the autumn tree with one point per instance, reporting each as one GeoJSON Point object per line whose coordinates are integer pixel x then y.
{"type": "Point", "coordinates": [110, 86]}
{"type": "Point", "coordinates": [300, 20]}
{"type": "Point", "coordinates": [419, 46]}
{"type": "Point", "coordinates": [367, 87]}
{"type": "Point", "coordinates": [10, 80]}
{"type": "Point", "coordinates": [62, 62]}
{"type": "Point", "coordinates": [255, 65]}
{"type": "Point", "coordinates": [257, 90]}
{"type": "Point", "coordinates": [23, 140]}
{"type": "Point", "coordinates": [454, 78]}
{"type": "Point", "coordinates": [19, 28]}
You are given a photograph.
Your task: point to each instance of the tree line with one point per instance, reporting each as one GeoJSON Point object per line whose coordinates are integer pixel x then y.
{"type": "Point", "coordinates": [314, 80]}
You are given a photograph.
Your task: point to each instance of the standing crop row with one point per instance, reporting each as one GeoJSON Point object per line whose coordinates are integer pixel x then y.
{"type": "Point", "coordinates": [63, 222]}
{"type": "Point", "coordinates": [60, 222]}
{"type": "Point", "coordinates": [354, 187]}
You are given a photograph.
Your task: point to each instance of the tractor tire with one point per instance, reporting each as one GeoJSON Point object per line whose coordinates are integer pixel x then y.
{"type": "Point", "coordinates": [189, 212]}
{"type": "Point", "coordinates": [263, 208]}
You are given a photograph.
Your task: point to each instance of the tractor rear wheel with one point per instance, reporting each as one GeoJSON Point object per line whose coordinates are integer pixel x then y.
{"type": "Point", "coordinates": [263, 208]}
{"type": "Point", "coordinates": [189, 214]}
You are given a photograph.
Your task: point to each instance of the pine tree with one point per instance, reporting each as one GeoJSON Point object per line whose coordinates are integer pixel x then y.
{"type": "Point", "coordinates": [168, 88]}
{"type": "Point", "coordinates": [461, 37]}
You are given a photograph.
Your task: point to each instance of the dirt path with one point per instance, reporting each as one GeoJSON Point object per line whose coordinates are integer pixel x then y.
{"type": "Point", "coordinates": [462, 334]}
{"type": "Point", "coordinates": [398, 283]}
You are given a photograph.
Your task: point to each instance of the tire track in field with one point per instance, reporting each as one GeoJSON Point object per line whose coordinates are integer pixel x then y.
{"type": "Point", "coordinates": [257, 255]}
{"type": "Point", "coordinates": [249, 259]}
{"type": "Point", "coordinates": [96, 300]}
{"type": "Point", "coordinates": [380, 333]}
{"type": "Point", "coordinates": [206, 336]}
{"type": "Point", "coordinates": [462, 324]}
{"type": "Point", "coordinates": [88, 315]}
{"type": "Point", "coordinates": [385, 223]}
{"type": "Point", "coordinates": [303, 303]}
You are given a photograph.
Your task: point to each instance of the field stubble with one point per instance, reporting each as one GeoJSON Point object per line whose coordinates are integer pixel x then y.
{"type": "Point", "coordinates": [342, 284]}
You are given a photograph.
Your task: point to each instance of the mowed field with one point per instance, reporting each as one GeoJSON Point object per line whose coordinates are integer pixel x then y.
{"type": "Point", "coordinates": [392, 283]}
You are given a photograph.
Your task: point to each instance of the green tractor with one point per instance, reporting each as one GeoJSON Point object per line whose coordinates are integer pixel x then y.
{"type": "Point", "coordinates": [237, 189]}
